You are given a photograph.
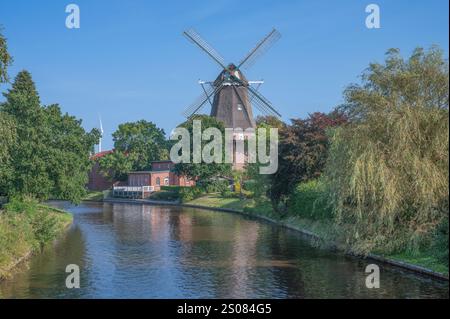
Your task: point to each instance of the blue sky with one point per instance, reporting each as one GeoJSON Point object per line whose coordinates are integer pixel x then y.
{"type": "Point", "coordinates": [129, 61]}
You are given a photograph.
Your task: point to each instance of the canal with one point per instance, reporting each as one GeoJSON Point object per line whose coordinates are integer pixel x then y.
{"type": "Point", "coordinates": [140, 251]}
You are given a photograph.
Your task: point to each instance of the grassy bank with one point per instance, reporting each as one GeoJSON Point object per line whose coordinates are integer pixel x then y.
{"type": "Point", "coordinates": [25, 227]}
{"type": "Point", "coordinates": [93, 196]}
{"type": "Point", "coordinates": [323, 227]}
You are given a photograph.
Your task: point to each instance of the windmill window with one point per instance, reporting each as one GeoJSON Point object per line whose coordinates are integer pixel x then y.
{"type": "Point", "coordinates": [239, 107]}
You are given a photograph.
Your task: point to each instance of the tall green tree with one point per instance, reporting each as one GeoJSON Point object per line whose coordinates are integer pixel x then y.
{"type": "Point", "coordinates": [5, 59]}
{"type": "Point", "coordinates": [30, 152]}
{"type": "Point", "coordinates": [303, 152]}
{"type": "Point", "coordinates": [116, 166]}
{"type": "Point", "coordinates": [68, 149]}
{"type": "Point", "coordinates": [51, 150]}
{"type": "Point", "coordinates": [136, 145]}
{"type": "Point", "coordinates": [7, 141]}
{"type": "Point", "coordinates": [204, 171]}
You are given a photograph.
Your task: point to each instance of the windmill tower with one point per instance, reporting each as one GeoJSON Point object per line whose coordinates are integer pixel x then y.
{"type": "Point", "coordinates": [231, 95]}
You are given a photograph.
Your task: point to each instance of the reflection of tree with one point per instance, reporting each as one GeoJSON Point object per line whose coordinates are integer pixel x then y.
{"type": "Point", "coordinates": [150, 251]}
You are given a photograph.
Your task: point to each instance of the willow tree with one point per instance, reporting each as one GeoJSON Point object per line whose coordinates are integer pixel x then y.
{"type": "Point", "coordinates": [387, 170]}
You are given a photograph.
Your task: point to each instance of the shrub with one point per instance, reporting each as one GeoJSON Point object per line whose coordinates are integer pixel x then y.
{"type": "Point", "coordinates": [308, 200]}
{"type": "Point", "coordinates": [172, 188]}
{"type": "Point", "coordinates": [24, 227]}
{"type": "Point", "coordinates": [165, 195]}
{"type": "Point", "coordinates": [24, 204]}
{"type": "Point", "coordinates": [227, 194]}
{"type": "Point", "coordinates": [215, 185]}
{"type": "Point", "coordinates": [190, 193]}
{"type": "Point", "coordinates": [440, 243]}
{"type": "Point", "coordinates": [45, 226]}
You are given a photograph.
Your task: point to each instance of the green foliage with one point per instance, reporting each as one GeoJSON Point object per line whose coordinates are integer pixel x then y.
{"type": "Point", "coordinates": [45, 226]}
{"type": "Point", "coordinates": [303, 152]}
{"type": "Point", "coordinates": [214, 185]}
{"type": "Point", "coordinates": [183, 193]}
{"type": "Point", "coordinates": [227, 193]}
{"type": "Point", "coordinates": [165, 195]}
{"type": "Point", "coordinates": [187, 194]}
{"type": "Point", "coordinates": [203, 171]}
{"type": "Point", "coordinates": [269, 121]}
{"type": "Point", "coordinates": [68, 148]}
{"type": "Point", "coordinates": [172, 188]}
{"type": "Point", "coordinates": [30, 163]}
{"type": "Point", "coordinates": [50, 150]}
{"type": "Point", "coordinates": [387, 173]}
{"type": "Point", "coordinates": [116, 166]}
{"type": "Point", "coordinates": [7, 141]}
{"type": "Point", "coordinates": [26, 226]}
{"type": "Point", "coordinates": [136, 145]}
{"type": "Point", "coordinates": [5, 59]}
{"type": "Point", "coordinates": [440, 242]}
{"type": "Point", "coordinates": [308, 200]}
{"type": "Point", "coordinates": [257, 183]}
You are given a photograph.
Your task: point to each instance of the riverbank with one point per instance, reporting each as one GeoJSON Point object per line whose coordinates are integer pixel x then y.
{"type": "Point", "coordinates": [25, 227]}
{"type": "Point", "coordinates": [325, 232]}
{"type": "Point", "coordinates": [322, 233]}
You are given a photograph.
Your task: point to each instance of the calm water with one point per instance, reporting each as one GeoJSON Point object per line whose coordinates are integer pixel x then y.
{"type": "Point", "coordinates": [133, 251]}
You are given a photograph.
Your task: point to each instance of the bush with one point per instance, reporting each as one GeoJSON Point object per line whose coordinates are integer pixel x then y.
{"type": "Point", "coordinates": [228, 194]}
{"type": "Point", "coordinates": [174, 189]}
{"type": "Point", "coordinates": [26, 226]}
{"type": "Point", "coordinates": [214, 185]}
{"type": "Point", "coordinates": [25, 205]}
{"type": "Point", "coordinates": [165, 195]}
{"type": "Point", "coordinates": [308, 200]}
{"type": "Point", "coordinates": [440, 242]}
{"type": "Point", "coordinates": [45, 226]}
{"type": "Point", "coordinates": [190, 193]}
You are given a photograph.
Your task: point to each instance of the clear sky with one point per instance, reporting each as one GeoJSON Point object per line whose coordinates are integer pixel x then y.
{"type": "Point", "coordinates": [129, 61]}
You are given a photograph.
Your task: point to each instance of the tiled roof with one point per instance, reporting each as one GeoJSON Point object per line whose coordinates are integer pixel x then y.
{"type": "Point", "coordinates": [101, 154]}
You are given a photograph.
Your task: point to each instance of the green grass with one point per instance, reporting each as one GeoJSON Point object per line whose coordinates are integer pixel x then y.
{"type": "Point", "coordinates": [421, 259]}
{"type": "Point", "coordinates": [215, 200]}
{"type": "Point", "coordinates": [94, 196]}
{"type": "Point", "coordinates": [25, 227]}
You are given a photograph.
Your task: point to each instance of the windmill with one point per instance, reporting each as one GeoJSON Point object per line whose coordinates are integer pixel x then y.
{"type": "Point", "coordinates": [101, 136]}
{"type": "Point", "coordinates": [231, 95]}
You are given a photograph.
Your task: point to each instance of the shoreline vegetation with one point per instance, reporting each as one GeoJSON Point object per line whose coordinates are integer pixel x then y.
{"type": "Point", "coordinates": [26, 227]}
{"type": "Point", "coordinates": [327, 231]}
{"type": "Point", "coordinates": [322, 233]}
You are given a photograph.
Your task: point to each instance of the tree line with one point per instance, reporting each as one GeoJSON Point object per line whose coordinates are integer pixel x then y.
{"type": "Point", "coordinates": [376, 165]}
{"type": "Point", "coordinates": [43, 152]}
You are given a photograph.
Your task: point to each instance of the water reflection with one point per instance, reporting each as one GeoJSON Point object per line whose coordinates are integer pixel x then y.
{"type": "Point", "coordinates": [136, 251]}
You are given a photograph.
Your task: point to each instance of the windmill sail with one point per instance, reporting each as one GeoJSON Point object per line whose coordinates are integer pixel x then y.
{"type": "Point", "coordinates": [231, 95]}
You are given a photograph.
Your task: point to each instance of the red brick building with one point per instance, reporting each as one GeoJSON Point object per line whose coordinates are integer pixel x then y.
{"type": "Point", "coordinates": [97, 181]}
{"type": "Point", "coordinates": [161, 174]}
